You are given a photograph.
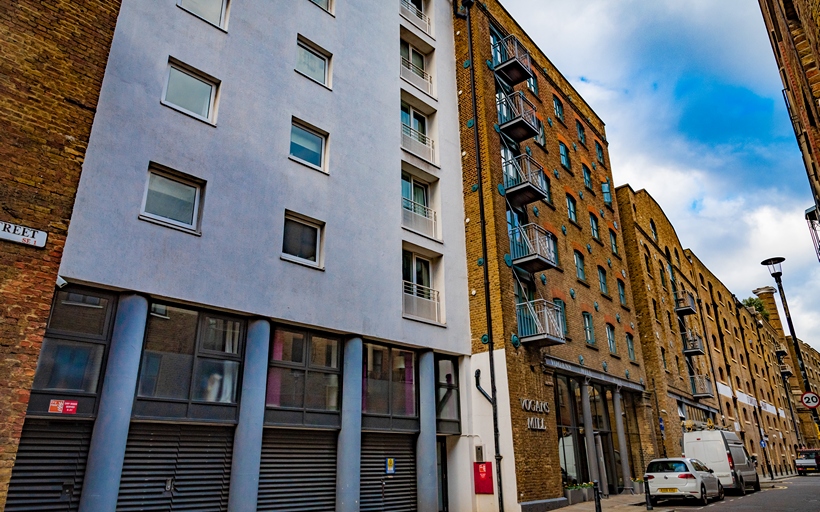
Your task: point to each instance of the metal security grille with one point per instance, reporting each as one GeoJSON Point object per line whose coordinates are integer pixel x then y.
{"type": "Point", "coordinates": [382, 492]}
{"type": "Point", "coordinates": [48, 473]}
{"type": "Point", "coordinates": [298, 471]}
{"type": "Point", "coordinates": [176, 467]}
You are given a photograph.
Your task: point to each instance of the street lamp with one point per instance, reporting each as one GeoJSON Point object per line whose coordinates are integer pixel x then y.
{"type": "Point", "coordinates": [773, 264]}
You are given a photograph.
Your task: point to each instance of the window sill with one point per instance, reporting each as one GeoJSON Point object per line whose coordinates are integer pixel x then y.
{"type": "Point", "coordinates": [591, 346]}
{"type": "Point", "coordinates": [617, 255]}
{"type": "Point", "coordinates": [300, 261]}
{"type": "Point", "coordinates": [582, 282]}
{"type": "Point", "coordinates": [548, 203]}
{"type": "Point", "coordinates": [615, 355]}
{"type": "Point", "coordinates": [636, 363]}
{"type": "Point", "coordinates": [609, 207]}
{"type": "Point", "coordinates": [308, 165]}
{"type": "Point", "coordinates": [159, 222]}
{"type": "Point", "coordinates": [189, 114]}
{"type": "Point", "coordinates": [423, 320]}
{"type": "Point", "coordinates": [598, 241]}
{"type": "Point", "coordinates": [314, 80]}
{"type": "Point", "coordinates": [574, 223]}
{"type": "Point", "coordinates": [626, 308]}
{"type": "Point", "coordinates": [606, 296]}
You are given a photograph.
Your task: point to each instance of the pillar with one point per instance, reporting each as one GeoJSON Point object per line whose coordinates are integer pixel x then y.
{"type": "Point", "coordinates": [107, 449]}
{"type": "Point", "coordinates": [349, 447]}
{"type": "Point", "coordinates": [589, 434]}
{"type": "Point", "coordinates": [247, 444]}
{"type": "Point", "coordinates": [619, 430]}
{"type": "Point", "coordinates": [426, 460]}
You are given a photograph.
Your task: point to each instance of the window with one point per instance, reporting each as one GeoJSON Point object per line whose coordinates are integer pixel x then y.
{"type": "Point", "coordinates": [304, 371]}
{"type": "Point", "coordinates": [532, 84]}
{"type": "Point", "coordinates": [613, 241]}
{"type": "Point", "coordinates": [582, 134]}
{"type": "Point", "coordinates": [324, 4]}
{"type": "Point", "coordinates": [562, 307]}
{"type": "Point", "coordinates": [630, 346]}
{"type": "Point", "coordinates": [413, 59]}
{"type": "Point", "coordinates": [559, 108]}
{"type": "Point", "coordinates": [605, 191]}
{"type": "Point", "coordinates": [593, 224]}
{"type": "Point", "coordinates": [587, 176]}
{"type": "Point", "coordinates": [622, 292]}
{"type": "Point", "coordinates": [388, 381]}
{"type": "Point", "coordinates": [589, 329]}
{"type": "Point", "coordinates": [420, 299]}
{"type": "Point", "coordinates": [190, 92]}
{"type": "Point", "coordinates": [602, 281]}
{"type": "Point", "coordinates": [571, 209]}
{"type": "Point", "coordinates": [655, 308]}
{"type": "Point", "coordinates": [171, 199]}
{"type": "Point", "coordinates": [447, 400]}
{"type": "Point", "coordinates": [541, 137]}
{"type": "Point", "coordinates": [579, 266]}
{"type": "Point", "coordinates": [648, 265]}
{"type": "Point", "coordinates": [599, 151]}
{"type": "Point", "coordinates": [307, 146]}
{"type": "Point", "coordinates": [302, 240]}
{"type": "Point", "coordinates": [312, 62]}
{"type": "Point", "coordinates": [564, 151]}
{"type": "Point", "coordinates": [663, 359]}
{"type": "Point", "coordinates": [191, 356]}
{"type": "Point", "coordinates": [415, 201]}
{"type": "Point", "coordinates": [610, 339]}
{"type": "Point", "coordinates": [663, 276]}
{"type": "Point", "coordinates": [212, 11]}
{"type": "Point", "coordinates": [653, 229]}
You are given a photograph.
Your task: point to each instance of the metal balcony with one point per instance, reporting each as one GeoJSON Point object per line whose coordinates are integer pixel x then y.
{"type": "Point", "coordinates": [421, 302]}
{"type": "Point", "coordinates": [524, 181]}
{"type": "Point", "coordinates": [418, 217]}
{"type": "Point", "coordinates": [693, 344]}
{"type": "Point", "coordinates": [781, 351]}
{"type": "Point", "coordinates": [511, 61]}
{"type": "Point", "coordinates": [417, 143]}
{"type": "Point", "coordinates": [813, 220]}
{"type": "Point", "coordinates": [416, 76]}
{"type": "Point", "coordinates": [516, 117]}
{"type": "Point", "coordinates": [539, 321]}
{"type": "Point", "coordinates": [786, 370]}
{"type": "Point", "coordinates": [701, 386]}
{"type": "Point", "coordinates": [532, 248]}
{"type": "Point", "coordinates": [685, 305]}
{"type": "Point", "coordinates": [415, 16]}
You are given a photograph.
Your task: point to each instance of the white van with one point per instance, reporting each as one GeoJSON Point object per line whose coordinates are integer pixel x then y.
{"type": "Point", "coordinates": [723, 452]}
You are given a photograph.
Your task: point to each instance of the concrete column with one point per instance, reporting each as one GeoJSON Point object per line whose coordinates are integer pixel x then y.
{"type": "Point", "coordinates": [247, 444]}
{"type": "Point", "coordinates": [426, 460]}
{"type": "Point", "coordinates": [107, 449]}
{"type": "Point", "coordinates": [589, 436]}
{"type": "Point", "coordinates": [349, 450]}
{"type": "Point", "coordinates": [619, 430]}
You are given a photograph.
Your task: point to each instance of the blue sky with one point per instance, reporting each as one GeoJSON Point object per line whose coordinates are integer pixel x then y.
{"type": "Point", "coordinates": [692, 101]}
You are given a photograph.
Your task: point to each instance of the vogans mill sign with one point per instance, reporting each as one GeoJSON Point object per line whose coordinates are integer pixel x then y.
{"type": "Point", "coordinates": [538, 407]}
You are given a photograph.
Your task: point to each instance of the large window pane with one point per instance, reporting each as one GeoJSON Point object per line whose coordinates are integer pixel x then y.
{"type": "Point", "coordinates": [376, 379]}
{"type": "Point", "coordinates": [404, 383]}
{"type": "Point", "coordinates": [322, 391]}
{"type": "Point", "coordinates": [222, 335]}
{"type": "Point", "coordinates": [79, 313]}
{"type": "Point", "coordinates": [288, 346]}
{"type": "Point", "coordinates": [447, 408]}
{"type": "Point", "coordinates": [324, 4]}
{"type": "Point", "coordinates": [68, 366]}
{"type": "Point", "coordinates": [171, 199]}
{"type": "Point", "coordinates": [286, 387]}
{"type": "Point", "coordinates": [447, 372]}
{"type": "Point", "coordinates": [210, 10]}
{"type": "Point", "coordinates": [216, 381]}
{"type": "Point", "coordinates": [306, 145]}
{"type": "Point", "coordinates": [188, 92]}
{"type": "Point", "coordinates": [311, 64]}
{"type": "Point", "coordinates": [324, 352]}
{"type": "Point", "coordinates": [169, 352]}
{"type": "Point", "coordinates": [300, 240]}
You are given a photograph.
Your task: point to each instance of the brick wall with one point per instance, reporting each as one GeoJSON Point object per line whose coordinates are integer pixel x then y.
{"type": "Point", "coordinates": [53, 58]}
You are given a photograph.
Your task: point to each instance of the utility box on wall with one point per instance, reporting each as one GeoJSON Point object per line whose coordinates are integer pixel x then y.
{"type": "Point", "coordinates": [483, 476]}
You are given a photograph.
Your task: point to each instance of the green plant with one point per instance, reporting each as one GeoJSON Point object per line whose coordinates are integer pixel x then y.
{"type": "Point", "coordinates": [638, 480]}
{"type": "Point", "coordinates": [755, 302]}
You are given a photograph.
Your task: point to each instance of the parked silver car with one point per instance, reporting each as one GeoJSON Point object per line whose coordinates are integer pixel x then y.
{"type": "Point", "coordinates": [682, 478]}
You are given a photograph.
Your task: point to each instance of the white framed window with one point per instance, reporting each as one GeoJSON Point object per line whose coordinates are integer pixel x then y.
{"type": "Point", "coordinates": [212, 11]}
{"type": "Point", "coordinates": [307, 145]}
{"type": "Point", "coordinates": [302, 240]}
{"type": "Point", "coordinates": [172, 199]}
{"type": "Point", "coordinates": [312, 61]}
{"type": "Point", "coordinates": [327, 5]}
{"type": "Point", "coordinates": [191, 92]}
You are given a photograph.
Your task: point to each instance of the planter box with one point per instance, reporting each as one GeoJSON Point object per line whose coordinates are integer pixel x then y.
{"type": "Point", "coordinates": [574, 496]}
{"type": "Point", "coordinates": [637, 487]}
{"type": "Point", "coordinates": [589, 493]}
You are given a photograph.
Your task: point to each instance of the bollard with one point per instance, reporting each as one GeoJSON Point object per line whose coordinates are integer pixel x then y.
{"type": "Point", "coordinates": [646, 494]}
{"type": "Point", "coordinates": [597, 494]}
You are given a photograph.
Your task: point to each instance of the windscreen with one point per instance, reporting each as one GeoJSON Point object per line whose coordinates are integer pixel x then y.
{"type": "Point", "coordinates": [806, 455]}
{"type": "Point", "coordinates": [667, 466]}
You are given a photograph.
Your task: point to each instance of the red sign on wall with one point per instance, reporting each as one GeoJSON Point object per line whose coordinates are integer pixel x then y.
{"type": "Point", "coordinates": [483, 475]}
{"type": "Point", "coordinates": [62, 407]}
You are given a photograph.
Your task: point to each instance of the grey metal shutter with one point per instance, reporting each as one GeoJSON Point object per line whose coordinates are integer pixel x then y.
{"type": "Point", "coordinates": [399, 490]}
{"type": "Point", "coordinates": [48, 474]}
{"type": "Point", "coordinates": [192, 461]}
{"type": "Point", "coordinates": [298, 471]}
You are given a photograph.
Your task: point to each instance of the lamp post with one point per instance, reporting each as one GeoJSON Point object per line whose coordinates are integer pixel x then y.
{"type": "Point", "coordinates": [773, 264]}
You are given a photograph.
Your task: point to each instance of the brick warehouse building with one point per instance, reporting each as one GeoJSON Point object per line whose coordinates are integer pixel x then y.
{"type": "Point", "coordinates": [52, 64]}
{"type": "Point", "coordinates": [563, 329]}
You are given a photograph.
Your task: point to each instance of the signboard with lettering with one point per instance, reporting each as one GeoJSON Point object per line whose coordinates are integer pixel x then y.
{"type": "Point", "coordinates": [22, 234]}
{"type": "Point", "coordinates": [538, 407]}
{"type": "Point", "coordinates": [390, 466]}
{"type": "Point", "coordinates": [62, 406]}
{"type": "Point", "coordinates": [483, 477]}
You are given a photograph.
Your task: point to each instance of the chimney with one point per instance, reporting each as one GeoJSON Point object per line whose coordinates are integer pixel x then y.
{"type": "Point", "coordinates": [766, 295]}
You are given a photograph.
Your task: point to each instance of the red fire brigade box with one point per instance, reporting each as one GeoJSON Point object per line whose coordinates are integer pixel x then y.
{"type": "Point", "coordinates": [483, 475]}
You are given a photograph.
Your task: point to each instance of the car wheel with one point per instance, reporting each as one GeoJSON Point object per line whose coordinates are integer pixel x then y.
{"type": "Point", "coordinates": [721, 492]}
{"type": "Point", "coordinates": [741, 487]}
{"type": "Point", "coordinates": [704, 498]}
{"type": "Point", "coordinates": [757, 484]}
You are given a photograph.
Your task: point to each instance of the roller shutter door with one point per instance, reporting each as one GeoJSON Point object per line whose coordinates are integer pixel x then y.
{"type": "Point", "coordinates": [298, 471]}
{"type": "Point", "coordinates": [399, 489]}
{"type": "Point", "coordinates": [48, 474]}
{"type": "Point", "coordinates": [176, 467]}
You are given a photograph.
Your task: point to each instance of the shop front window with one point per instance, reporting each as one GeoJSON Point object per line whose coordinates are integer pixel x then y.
{"type": "Point", "coordinates": [389, 384]}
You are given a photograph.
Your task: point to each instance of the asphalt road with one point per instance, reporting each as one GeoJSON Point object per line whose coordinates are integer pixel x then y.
{"type": "Point", "coordinates": [798, 494]}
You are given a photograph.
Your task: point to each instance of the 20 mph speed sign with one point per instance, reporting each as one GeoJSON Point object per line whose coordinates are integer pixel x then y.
{"type": "Point", "coordinates": [810, 399]}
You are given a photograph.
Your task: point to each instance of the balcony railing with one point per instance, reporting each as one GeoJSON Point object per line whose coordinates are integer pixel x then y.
{"type": "Point", "coordinates": [780, 351]}
{"type": "Point", "coordinates": [416, 17]}
{"type": "Point", "coordinates": [511, 61]}
{"type": "Point", "coordinates": [416, 76]}
{"type": "Point", "coordinates": [532, 248]}
{"type": "Point", "coordinates": [418, 217]}
{"type": "Point", "coordinates": [813, 221]}
{"type": "Point", "coordinates": [524, 180]}
{"type": "Point", "coordinates": [416, 142]}
{"type": "Point", "coordinates": [693, 343]}
{"type": "Point", "coordinates": [421, 302]}
{"type": "Point", "coordinates": [539, 320]}
{"type": "Point", "coordinates": [685, 305]}
{"type": "Point", "coordinates": [701, 386]}
{"type": "Point", "coordinates": [516, 117]}
{"type": "Point", "coordinates": [786, 370]}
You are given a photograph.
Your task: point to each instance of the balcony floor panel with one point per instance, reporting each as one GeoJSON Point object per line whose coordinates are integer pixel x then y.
{"type": "Point", "coordinates": [513, 72]}
{"type": "Point", "coordinates": [543, 340]}
{"type": "Point", "coordinates": [523, 194]}
{"type": "Point", "coordinates": [533, 263]}
{"type": "Point", "coordinates": [518, 129]}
